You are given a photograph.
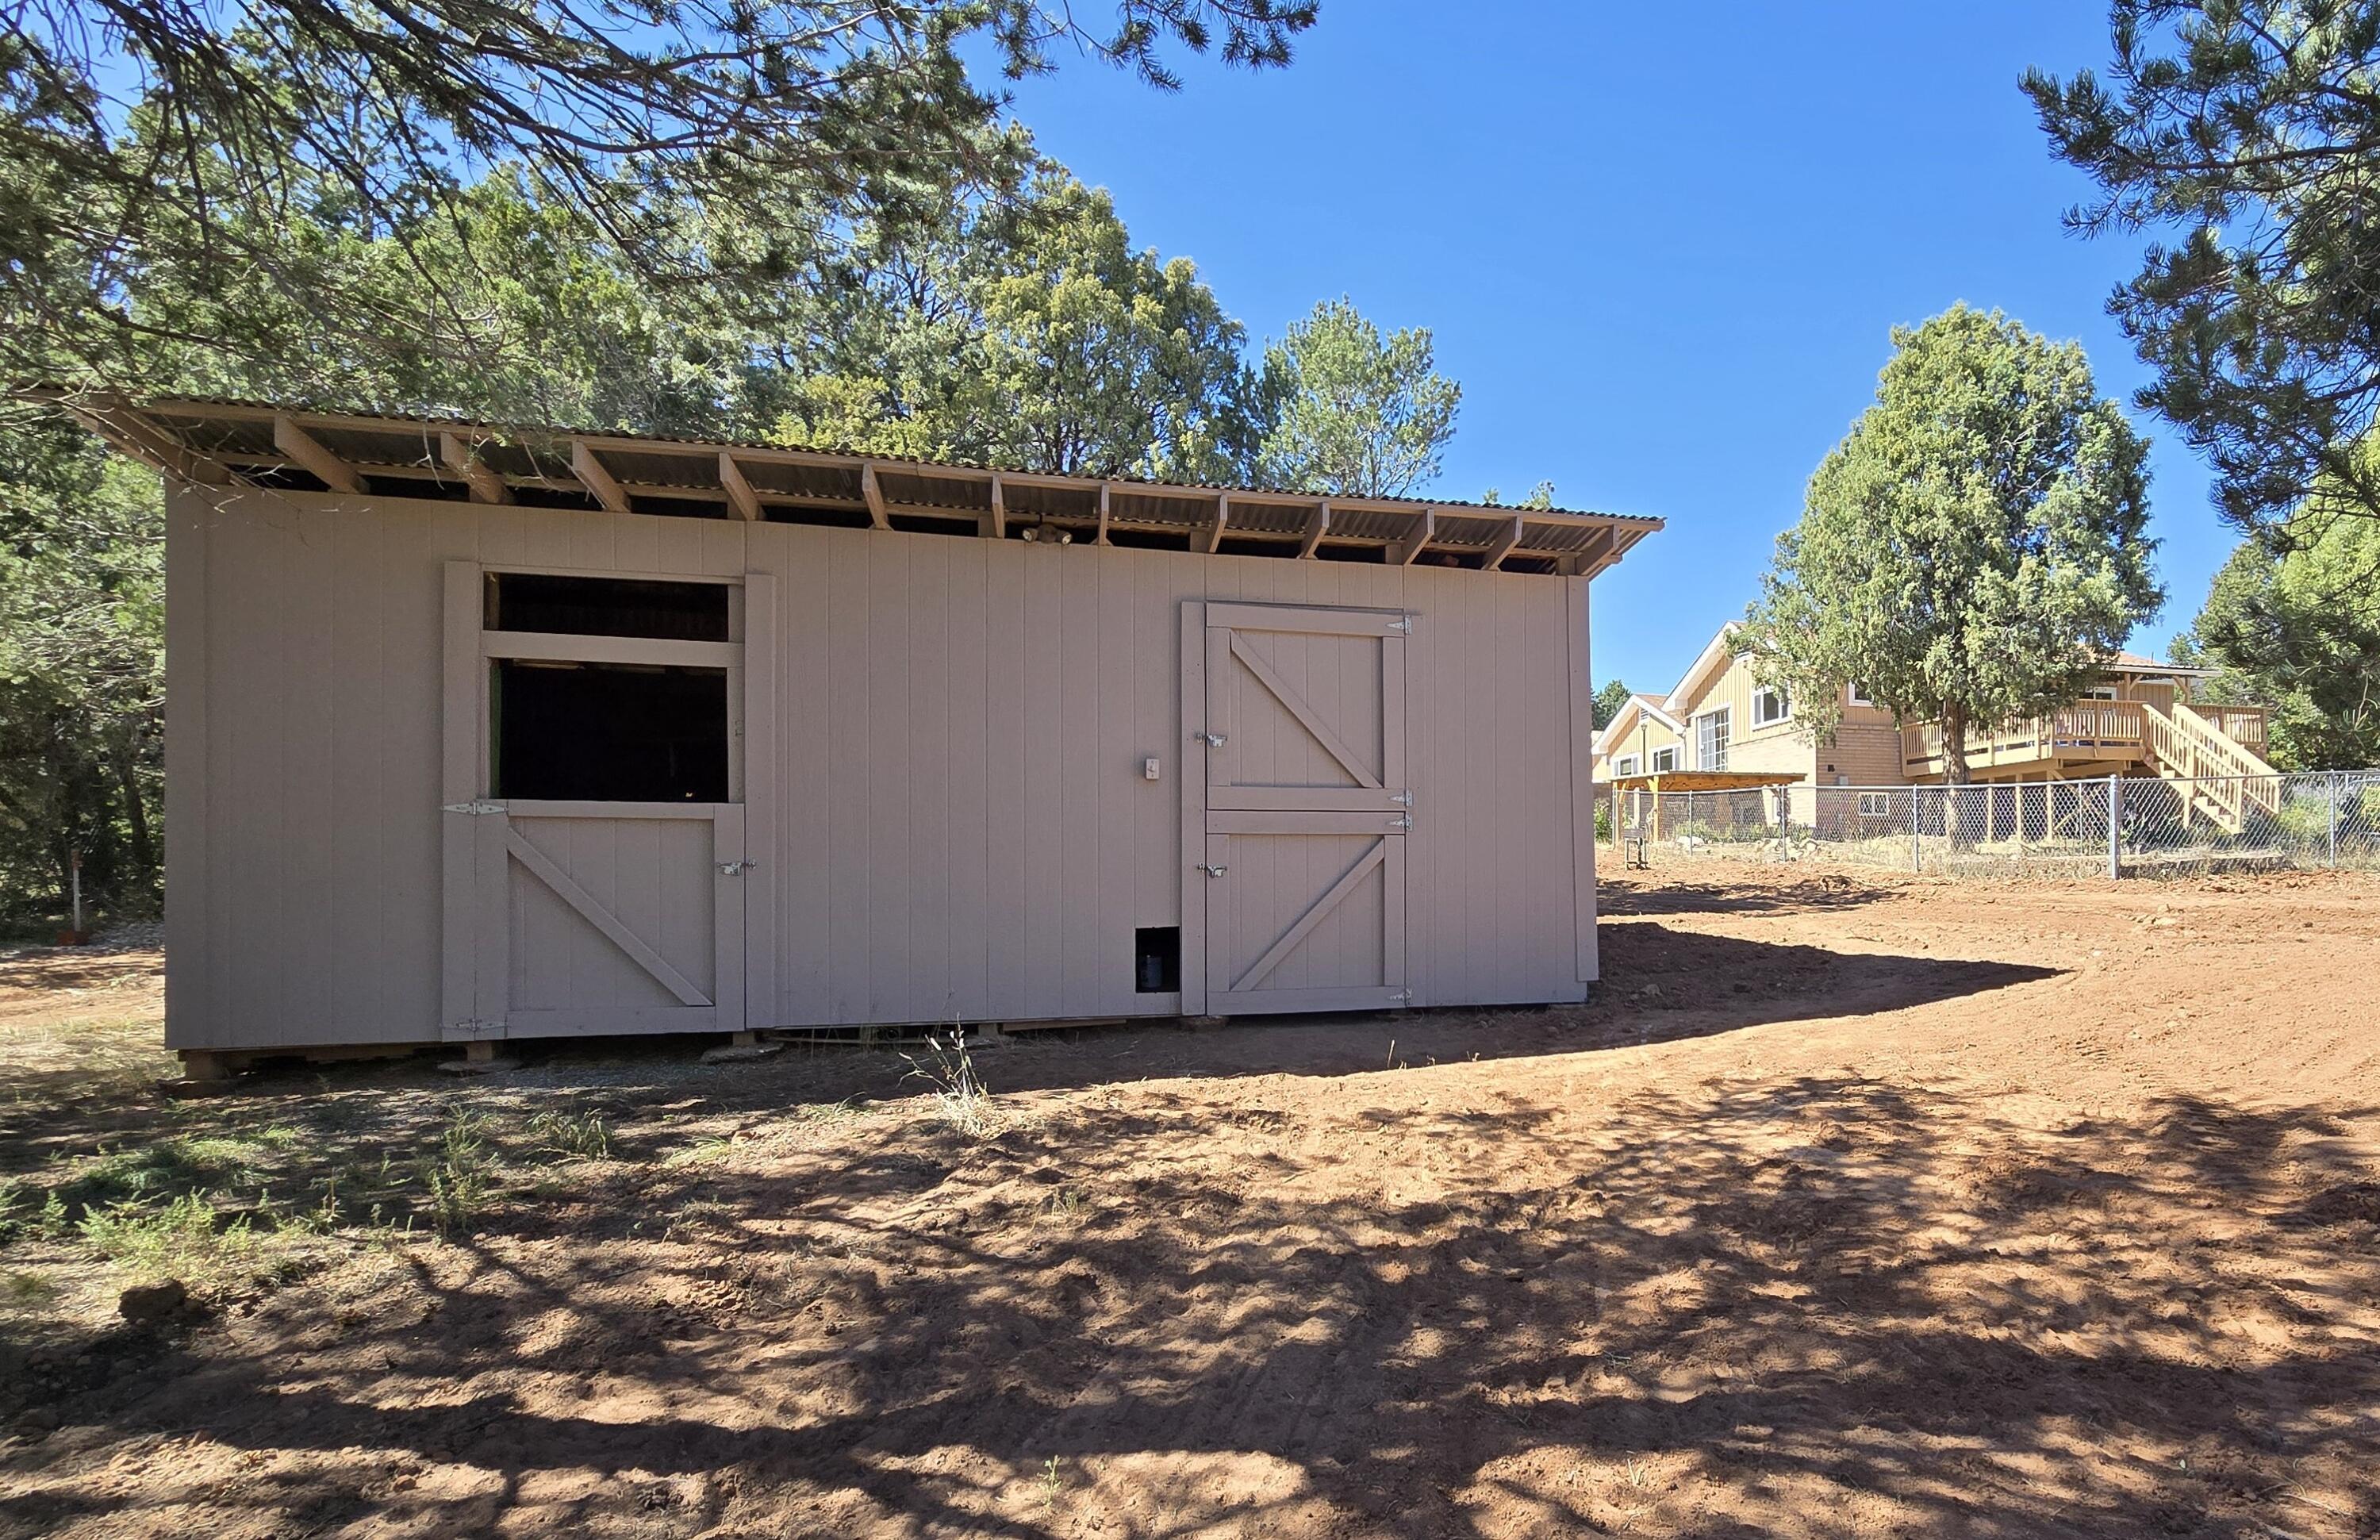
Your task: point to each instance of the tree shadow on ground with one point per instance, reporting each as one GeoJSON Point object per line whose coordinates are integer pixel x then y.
{"type": "Point", "coordinates": [1659, 985]}
{"type": "Point", "coordinates": [1810, 1305]}
{"type": "Point", "coordinates": [1822, 892]}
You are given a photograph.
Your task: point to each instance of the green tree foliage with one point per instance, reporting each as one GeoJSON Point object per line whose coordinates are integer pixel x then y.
{"type": "Point", "coordinates": [2249, 130]}
{"type": "Point", "coordinates": [1608, 702]}
{"type": "Point", "coordinates": [1540, 496]}
{"type": "Point", "coordinates": [1361, 414]}
{"type": "Point", "coordinates": [81, 670]}
{"type": "Point", "coordinates": [2294, 626]}
{"type": "Point", "coordinates": [1028, 335]}
{"type": "Point", "coordinates": [136, 135]}
{"type": "Point", "coordinates": [1973, 549]}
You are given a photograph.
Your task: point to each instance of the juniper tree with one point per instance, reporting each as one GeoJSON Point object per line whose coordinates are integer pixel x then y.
{"type": "Point", "coordinates": [1974, 550]}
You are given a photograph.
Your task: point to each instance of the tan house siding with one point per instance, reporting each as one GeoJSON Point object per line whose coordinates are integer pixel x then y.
{"type": "Point", "coordinates": [1866, 752]}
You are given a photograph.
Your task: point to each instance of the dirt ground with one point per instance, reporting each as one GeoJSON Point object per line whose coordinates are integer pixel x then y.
{"type": "Point", "coordinates": [1849, 1207]}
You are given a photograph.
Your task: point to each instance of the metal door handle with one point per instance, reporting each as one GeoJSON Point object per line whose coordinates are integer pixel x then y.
{"type": "Point", "coordinates": [1212, 740]}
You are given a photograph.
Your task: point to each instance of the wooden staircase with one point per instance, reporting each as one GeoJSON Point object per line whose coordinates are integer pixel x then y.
{"type": "Point", "coordinates": [2218, 775]}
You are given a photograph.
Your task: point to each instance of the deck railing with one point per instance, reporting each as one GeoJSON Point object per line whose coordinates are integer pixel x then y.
{"type": "Point", "coordinates": [2103, 729]}
{"type": "Point", "coordinates": [2242, 724]}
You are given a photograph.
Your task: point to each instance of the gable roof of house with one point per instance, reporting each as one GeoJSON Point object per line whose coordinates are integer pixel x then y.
{"type": "Point", "coordinates": [1623, 721]}
{"type": "Point", "coordinates": [1712, 661]}
{"type": "Point", "coordinates": [224, 442]}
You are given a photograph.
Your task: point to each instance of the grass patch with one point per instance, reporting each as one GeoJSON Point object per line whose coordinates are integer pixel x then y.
{"type": "Point", "coordinates": [184, 1238]}
{"type": "Point", "coordinates": [957, 1091]}
{"type": "Point", "coordinates": [571, 1136]}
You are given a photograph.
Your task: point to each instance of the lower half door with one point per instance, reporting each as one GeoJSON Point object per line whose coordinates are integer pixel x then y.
{"type": "Point", "coordinates": [1304, 911]}
{"type": "Point", "coordinates": [611, 917]}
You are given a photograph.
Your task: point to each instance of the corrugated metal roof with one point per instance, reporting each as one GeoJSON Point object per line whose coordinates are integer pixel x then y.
{"type": "Point", "coordinates": [223, 439]}
{"type": "Point", "coordinates": [440, 421]}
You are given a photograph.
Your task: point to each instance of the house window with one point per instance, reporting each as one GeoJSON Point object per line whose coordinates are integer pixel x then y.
{"type": "Point", "coordinates": [1710, 738]}
{"type": "Point", "coordinates": [1665, 759]}
{"type": "Point", "coordinates": [1626, 764]}
{"type": "Point", "coordinates": [1769, 706]}
{"type": "Point", "coordinates": [1859, 696]}
{"type": "Point", "coordinates": [1876, 804]}
{"type": "Point", "coordinates": [2100, 692]}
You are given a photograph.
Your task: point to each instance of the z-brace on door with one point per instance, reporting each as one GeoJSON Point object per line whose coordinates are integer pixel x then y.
{"type": "Point", "coordinates": [611, 901]}
{"type": "Point", "coordinates": [1306, 809]}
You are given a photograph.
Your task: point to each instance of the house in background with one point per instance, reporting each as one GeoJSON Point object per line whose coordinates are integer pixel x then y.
{"type": "Point", "coordinates": [2139, 721]}
{"type": "Point", "coordinates": [1719, 719]}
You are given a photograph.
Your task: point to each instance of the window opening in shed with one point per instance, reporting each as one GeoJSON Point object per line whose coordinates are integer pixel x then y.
{"type": "Point", "coordinates": [1157, 959]}
{"type": "Point", "coordinates": [608, 731]}
{"type": "Point", "coordinates": [607, 606]}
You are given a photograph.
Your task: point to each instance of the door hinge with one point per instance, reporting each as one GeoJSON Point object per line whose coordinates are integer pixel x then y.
{"type": "Point", "coordinates": [1401, 994]}
{"type": "Point", "coordinates": [1402, 821]}
{"type": "Point", "coordinates": [474, 809]}
{"type": "Point", "coordinates": [1212, 740]}
{"type": "Point", "coordinates": [1403, 624]}
{"type": "Point", "coordinates": [1214, 871]}
{"type": "Point", "coordinates": [473, 1026]}
{"type": "Point", "coordinates": [735, 869]}
{"type": "Point", "coordinates": [1403, 799]}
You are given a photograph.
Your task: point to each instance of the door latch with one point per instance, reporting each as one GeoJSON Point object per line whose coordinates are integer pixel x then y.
{"type": "Point", "coordinates": [1212, 740]}
{"type": "Point", "coordinates": [1214, 871]}
{"type": "Point", "coordinates": [735, 869]}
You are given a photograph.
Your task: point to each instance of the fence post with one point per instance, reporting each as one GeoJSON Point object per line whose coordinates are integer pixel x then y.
{"type": "Point", "coordinates": [1916, 830]}
{"type": "Point", "coordinates": [2334, 819]}
{"type": "Point", "coordinates": [2115, 826]}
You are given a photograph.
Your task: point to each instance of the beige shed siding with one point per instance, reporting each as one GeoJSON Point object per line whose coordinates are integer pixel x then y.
{"type": "Point", "coordinates": [960, 825]}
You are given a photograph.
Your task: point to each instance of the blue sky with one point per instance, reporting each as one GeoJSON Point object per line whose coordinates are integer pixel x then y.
{"type": "Point", "coordinates": [1660, 248]}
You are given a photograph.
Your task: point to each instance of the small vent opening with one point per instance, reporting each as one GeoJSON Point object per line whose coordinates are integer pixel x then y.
{"type": "Point", "coordinates": [1157, 959]}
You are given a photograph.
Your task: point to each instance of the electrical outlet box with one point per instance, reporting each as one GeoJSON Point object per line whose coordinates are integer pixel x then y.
{"type": "Point", "coordinates": [1150, 770]}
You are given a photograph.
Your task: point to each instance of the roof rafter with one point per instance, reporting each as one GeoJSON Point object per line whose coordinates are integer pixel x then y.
{"type": "Point", "coordinates": [596, 477]}
{"type": "Point", "coordinates": [314, 458]}
{"type": "Point", "coordinates": [464, 461]}
{"type": "Point", "coordinates": [740, 495]}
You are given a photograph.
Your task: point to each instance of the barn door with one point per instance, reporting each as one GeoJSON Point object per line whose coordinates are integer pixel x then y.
{"type": "Point", "coordinates": [1306, 809]}
{"type": "Point", "coordinates": [595, 858]}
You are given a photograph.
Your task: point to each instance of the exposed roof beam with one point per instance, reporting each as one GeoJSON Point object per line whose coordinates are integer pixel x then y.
{"type": "Point", "coordinates": [873, 495]}
{"type": "Point", "coordinates": [1102, 537]}
{"type": "Point", "coordinates": [203, 410]}
{"type": "Point", "coordinates": [1317, 523]}
{"type": "Point", "coordinates": [1504, 543]}
{"type": "Point", "coordinates": [313, 457]}
{"type": "Point", "coordinates": [1407, 551]}
{"type": "Point", "coordinates": [740, 495]}
{"type": "Point", "coordinates": [995, 518]}
{"type": "Point", "coordinates": [597, 480]}
{"type": "Point", "coordinates": [1222, 520]}
{"type": "Point", "coordinates": [130, 430]}
{"type": "Point", "coordinates": [459, 458]}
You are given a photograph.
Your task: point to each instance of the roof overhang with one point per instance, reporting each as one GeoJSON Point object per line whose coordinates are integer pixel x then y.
{"type": "Point", "coordinates": [233, 444]}
{"type": "Point", "coordinates": [1707, 781]}
{"type": "Point", "coordinates": [1624, 722]}
{"type": "Point", "coordinates": [1714, 658]}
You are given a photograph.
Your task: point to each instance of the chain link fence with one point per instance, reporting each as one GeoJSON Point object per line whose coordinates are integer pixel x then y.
{"type": "Point", "coordinates": [2132, 827]}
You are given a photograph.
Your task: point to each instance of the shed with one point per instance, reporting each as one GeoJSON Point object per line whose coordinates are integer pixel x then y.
{"type": "Point", "coordinates": [482, 731]}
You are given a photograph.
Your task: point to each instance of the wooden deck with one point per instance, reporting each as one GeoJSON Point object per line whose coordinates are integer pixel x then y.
{"type": "Point", "coordinates": [2110, 735]}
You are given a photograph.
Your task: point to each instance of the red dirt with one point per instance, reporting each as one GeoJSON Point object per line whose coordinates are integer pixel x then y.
{"type": "Point", "coordinates": [1848, 1208]}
